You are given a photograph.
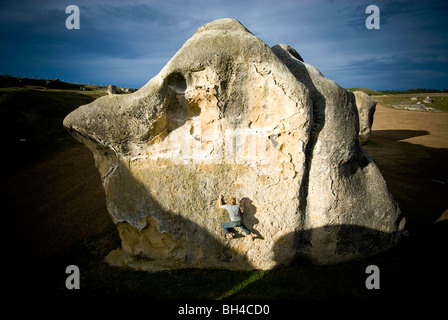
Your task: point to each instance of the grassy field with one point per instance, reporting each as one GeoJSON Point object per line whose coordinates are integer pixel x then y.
{"type": "Point", "coordinates": [56, 216]}
{"type": "Point", "coordinates": [31, 118]}
{"type": "Point", "coordinates": [440, 102]}
{"type": "Point", "coordinates": [370, 92]}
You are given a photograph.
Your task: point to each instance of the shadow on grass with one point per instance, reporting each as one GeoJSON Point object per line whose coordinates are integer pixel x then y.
{"type": "Point", "coordinates": [413, 270]}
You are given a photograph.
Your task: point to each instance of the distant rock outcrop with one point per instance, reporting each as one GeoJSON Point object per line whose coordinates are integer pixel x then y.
{"type": "Point", "coordinates": [428, 100]}
{"type": "Point", "coordinates": [229, 115]}
{"type": "Point", "coordinates": [111, 89]}
{"type": "Point", "coordinates": [366, 109]}
{"type": "Point", "coordinates": [415, 107]}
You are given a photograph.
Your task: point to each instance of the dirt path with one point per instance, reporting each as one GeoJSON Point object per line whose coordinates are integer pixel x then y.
{"type": "Point", "coordinates": [411, 149]}
{"type": "Point", "coordinates": [424, 128]}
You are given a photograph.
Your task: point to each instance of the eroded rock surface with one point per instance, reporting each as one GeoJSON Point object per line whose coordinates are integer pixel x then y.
{"type": "Point", "coordinates": [366, 109]}
{"type": "Point", "coordinates": [229, 115]}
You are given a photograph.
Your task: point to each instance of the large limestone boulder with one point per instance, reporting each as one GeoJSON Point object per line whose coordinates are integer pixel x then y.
{"type": "Point", "coordinates": [366, 109]}
{"type": "Point", "coordinates": [229, 115]}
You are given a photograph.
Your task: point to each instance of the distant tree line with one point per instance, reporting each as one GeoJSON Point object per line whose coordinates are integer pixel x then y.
{"type": "Point", "coordinates": [10, 81]}
{"type": "Point", "coordinates": [421, 90]}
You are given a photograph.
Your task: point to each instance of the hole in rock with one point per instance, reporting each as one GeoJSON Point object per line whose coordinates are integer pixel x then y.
{"type": "Point", "coordinates": [176, 82]}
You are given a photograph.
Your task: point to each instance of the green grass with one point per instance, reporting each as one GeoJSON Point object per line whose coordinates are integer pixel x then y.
{"type": "Point", "coordinates": [440, 100]}
{"type": "Point", "coordinates": [366, 90]}
{"type": "Point", "coordinates": [99, 280]}
{"type": "Point", "coordinates": [388, 100]}
{"type": "Point", "coordinates": [31, 118]}
{"type": "Point", "coordinates": [299, 281]}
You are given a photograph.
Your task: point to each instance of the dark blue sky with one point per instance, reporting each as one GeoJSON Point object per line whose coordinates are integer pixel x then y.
{"type": "Point", "coordinates": [126, 43]}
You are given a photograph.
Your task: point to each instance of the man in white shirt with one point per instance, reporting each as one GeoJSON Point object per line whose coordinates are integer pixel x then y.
{"type": "Point", "coordinates": [235, 211]}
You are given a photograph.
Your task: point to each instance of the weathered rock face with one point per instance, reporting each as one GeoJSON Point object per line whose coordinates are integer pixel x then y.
{"type": "Point", "coordinates": [229, 115]}
{"type": "Point", "coordinates": [428, 100]}
{"type": "Point", "coordinates": [366, 109]}
{"type": "Point", "coordinates": [111, 89]}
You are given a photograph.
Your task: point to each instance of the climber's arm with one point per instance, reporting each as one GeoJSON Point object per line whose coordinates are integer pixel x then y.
{"type": "Point", "coordinates": [220, 204]}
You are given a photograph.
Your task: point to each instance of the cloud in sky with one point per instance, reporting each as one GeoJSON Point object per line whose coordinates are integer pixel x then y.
{"type": "Point", "coordinates": [128, 42]}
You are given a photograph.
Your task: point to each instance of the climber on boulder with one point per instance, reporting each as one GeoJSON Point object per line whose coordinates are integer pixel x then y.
{"type": "Point", "coordinates": [235, 211]}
